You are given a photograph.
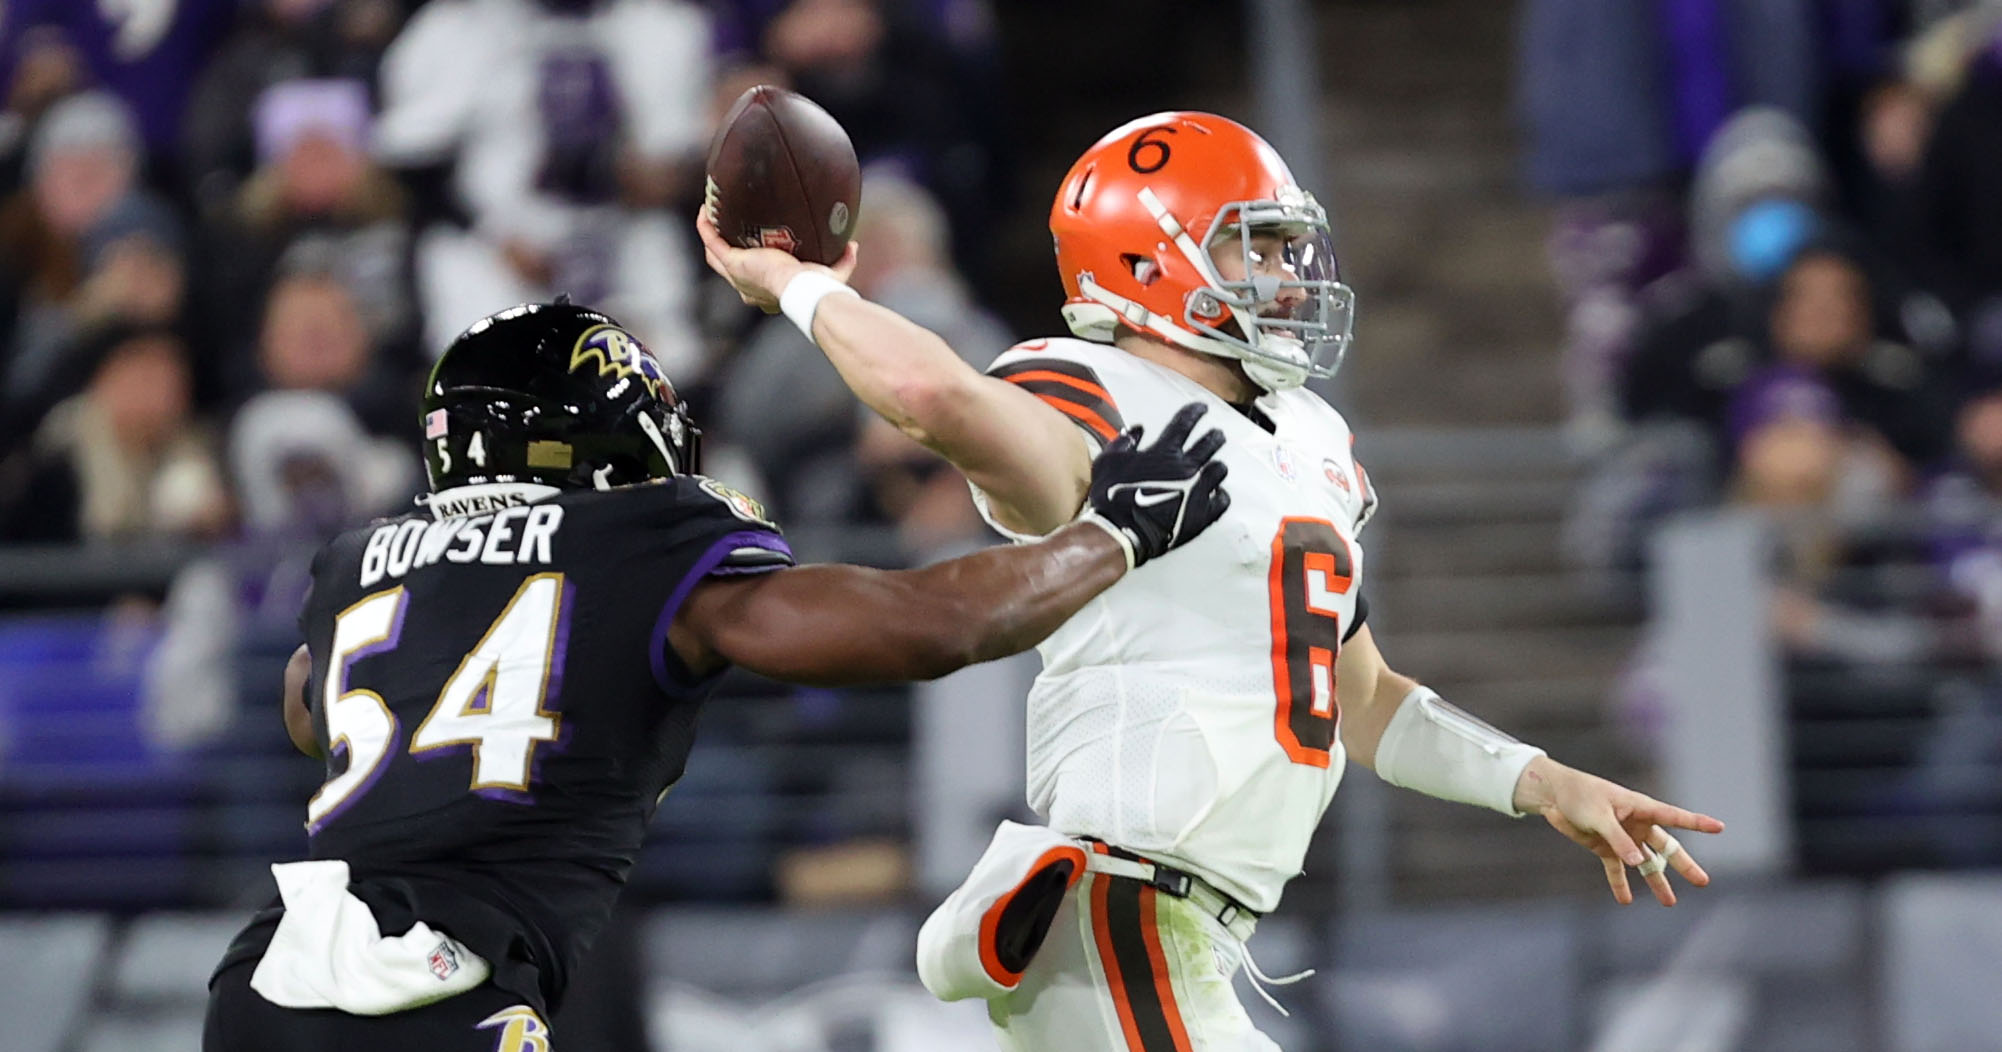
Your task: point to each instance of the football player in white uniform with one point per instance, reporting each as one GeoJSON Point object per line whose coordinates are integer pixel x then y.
{"type": "Point", "coordinates": [1191, 724]}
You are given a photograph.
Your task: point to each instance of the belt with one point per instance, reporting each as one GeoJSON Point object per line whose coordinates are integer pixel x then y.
{"type": "Point", "coordinates": [1112, 861]}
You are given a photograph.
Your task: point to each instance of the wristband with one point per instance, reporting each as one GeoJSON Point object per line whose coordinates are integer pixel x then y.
{"type": "Point", "coordinates": [1125, 541]}
{"type": "Point", "coordinates": [802, 296]}
{"type": "Point", "coordinates": [1433, 748]}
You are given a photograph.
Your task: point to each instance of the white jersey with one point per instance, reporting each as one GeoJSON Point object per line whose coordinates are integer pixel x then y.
{"type": "Point", "coordinates": [1189, 712]}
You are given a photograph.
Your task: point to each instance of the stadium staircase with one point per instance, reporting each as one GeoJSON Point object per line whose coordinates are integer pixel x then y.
{"type": "Point", "coordinates": [1454, 389]}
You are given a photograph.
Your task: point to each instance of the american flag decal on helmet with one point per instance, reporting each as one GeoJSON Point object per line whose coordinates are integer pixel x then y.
{"type": "Point", "coordinates": [434, 424]}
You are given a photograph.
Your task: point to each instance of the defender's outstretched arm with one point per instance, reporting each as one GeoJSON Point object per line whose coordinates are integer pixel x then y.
{"type": "Point", "coordinates": [848, 624]}
{"type": "Point", "coordinates": [833, 625]}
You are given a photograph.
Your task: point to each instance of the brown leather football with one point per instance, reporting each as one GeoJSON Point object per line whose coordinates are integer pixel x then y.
{"type": "Point", "coordinates": [782, 174]}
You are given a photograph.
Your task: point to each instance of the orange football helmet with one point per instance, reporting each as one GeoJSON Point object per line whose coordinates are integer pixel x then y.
{"type": "Point", "coordinates": [1137, 217]}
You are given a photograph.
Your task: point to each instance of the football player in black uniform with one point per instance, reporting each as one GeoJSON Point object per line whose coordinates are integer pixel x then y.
{"type": "Point", "coordinates": [504, 688]}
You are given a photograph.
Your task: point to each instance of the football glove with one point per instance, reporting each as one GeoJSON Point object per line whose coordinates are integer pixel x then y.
{"type": "Point", "coordinates": [1156, 499]}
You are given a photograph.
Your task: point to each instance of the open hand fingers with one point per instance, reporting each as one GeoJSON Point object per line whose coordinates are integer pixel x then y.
{"type": "Point", "coordinates": [1176, 435]}
{"type": "Point", "coordinates": [1616, 878]}
{"type": "Point", "coordinates": [1207, 445]}
{"type": "Point", "coordinates": [1647, 809]}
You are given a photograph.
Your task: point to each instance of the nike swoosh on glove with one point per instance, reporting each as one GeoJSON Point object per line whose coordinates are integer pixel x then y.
{"type": "Point", "coordinates": [1158, 498]}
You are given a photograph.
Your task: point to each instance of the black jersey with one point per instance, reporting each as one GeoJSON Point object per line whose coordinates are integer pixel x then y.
{"type": "Point", "coordinates": [502, 712]}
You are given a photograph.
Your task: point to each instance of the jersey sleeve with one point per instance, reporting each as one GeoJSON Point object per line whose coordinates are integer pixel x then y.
{"type": "Point", "coordinates": [1068, 385]}
{"type": "Point", "coordinates": [706, 529]}
{"type": "Point", "coordinates": [1364, 490]}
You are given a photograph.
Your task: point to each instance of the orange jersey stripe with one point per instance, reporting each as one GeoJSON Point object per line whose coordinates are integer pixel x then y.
{"type": "Point", "coordinates": [1070, 381]}
{"type": "Point", "coordinates": [1083, 416]}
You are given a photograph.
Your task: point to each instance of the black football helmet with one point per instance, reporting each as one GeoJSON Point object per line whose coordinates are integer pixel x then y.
{"type": "Point", "coordinates": [557, 394]}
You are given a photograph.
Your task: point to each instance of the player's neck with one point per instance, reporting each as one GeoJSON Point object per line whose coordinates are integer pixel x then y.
{"type": "Point", "coordinates": [1223, 377]}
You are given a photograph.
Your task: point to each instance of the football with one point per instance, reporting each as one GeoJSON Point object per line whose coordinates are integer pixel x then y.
{"type": "Point", "coordinates": [782, 174]}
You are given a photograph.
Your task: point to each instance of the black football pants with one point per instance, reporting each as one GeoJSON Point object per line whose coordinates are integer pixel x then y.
{"type": "Point", "coordinates": [484, 1019]}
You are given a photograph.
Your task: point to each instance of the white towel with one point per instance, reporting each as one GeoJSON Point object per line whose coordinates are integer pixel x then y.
{"type": "Point", "coordinates": [328, 952]}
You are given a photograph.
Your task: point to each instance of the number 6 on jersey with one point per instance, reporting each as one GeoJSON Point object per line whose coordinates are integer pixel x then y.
{"type": "Point", "coordinates": [1311, 564]}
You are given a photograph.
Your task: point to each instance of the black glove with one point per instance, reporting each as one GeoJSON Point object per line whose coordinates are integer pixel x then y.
{"type": "Point", "coordinates": [1158, 498]}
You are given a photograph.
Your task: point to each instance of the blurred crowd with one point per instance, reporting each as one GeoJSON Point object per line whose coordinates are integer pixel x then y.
{"type": "Point", "coordinates": [234, 234]}
{"type": "Point", "coordinates": [1779, 238]}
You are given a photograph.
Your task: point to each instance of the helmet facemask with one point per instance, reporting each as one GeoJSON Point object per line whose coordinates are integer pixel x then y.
{"type": "Point", "coordinates": [1281, 345]}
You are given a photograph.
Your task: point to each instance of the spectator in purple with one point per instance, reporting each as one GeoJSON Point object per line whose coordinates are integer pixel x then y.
{"type": "Point", "coordinates": [46, 70]}
{"type": "Point", "coordinates": [274, 41]}
{"type": "Point", "coordinates": [148, 54]}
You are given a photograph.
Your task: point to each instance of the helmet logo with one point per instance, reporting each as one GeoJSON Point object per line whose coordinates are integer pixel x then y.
{"type": "Point", "coordinates": [616, 352]}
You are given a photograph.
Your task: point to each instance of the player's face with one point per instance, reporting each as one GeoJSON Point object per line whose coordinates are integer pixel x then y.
{"type": "Point", "coordinates": [1272, 255]}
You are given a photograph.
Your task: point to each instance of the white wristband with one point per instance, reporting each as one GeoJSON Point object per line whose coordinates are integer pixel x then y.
{"type": "Point", "coordinates": [1433, 748]}
{"type": "Point", "coordinates": [802, 296]}
{"type": "Point", "coordinates": [1103, 523]}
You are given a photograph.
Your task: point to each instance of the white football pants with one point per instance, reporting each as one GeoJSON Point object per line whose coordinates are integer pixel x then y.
{"type": "Point", "coordinates": [1128, 969]}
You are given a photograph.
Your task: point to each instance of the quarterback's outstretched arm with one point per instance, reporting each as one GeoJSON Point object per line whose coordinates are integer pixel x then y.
{"type": "Point", "coordinates": [1411, 738]}
{"type": "Point", "coordinates": [1029, 459]}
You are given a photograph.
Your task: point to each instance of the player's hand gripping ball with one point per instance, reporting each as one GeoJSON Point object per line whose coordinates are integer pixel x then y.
{"type": "Point", "coordinates": [782, 174]}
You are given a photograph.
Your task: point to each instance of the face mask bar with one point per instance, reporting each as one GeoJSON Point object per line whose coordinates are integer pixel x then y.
{"type": "Point", "coordinates": [1312, 335]}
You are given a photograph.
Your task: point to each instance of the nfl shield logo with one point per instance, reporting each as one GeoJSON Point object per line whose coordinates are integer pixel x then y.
{"type": "Point", "coordinates": [779, 237]}
{"type": "Point", "coordinates": [1283, 462]}
{"type": "Point", "coordinates": [444, 961]}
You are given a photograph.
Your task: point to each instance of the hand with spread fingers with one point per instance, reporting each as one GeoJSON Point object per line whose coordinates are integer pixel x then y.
{"type": "Point", "coordinates": [1624, 828]}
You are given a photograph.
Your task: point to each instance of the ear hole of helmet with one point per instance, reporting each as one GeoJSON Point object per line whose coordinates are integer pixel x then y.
{"type": "Point", "coordinates": [1144, 269]}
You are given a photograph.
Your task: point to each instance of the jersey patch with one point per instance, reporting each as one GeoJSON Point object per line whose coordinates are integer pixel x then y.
{"type": "Point", "coordinates": [740, 504]}
{"type": "Point", "coordinates": [1072, 389]}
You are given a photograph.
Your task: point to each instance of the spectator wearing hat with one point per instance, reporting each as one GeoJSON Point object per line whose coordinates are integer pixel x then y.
{"type": "Point", "coordinates": [316, 201]}
{"type": "Point", "coordinates": [1757, 199]}
{"type": "Point", "coordinates": [273, 41]}
{"type": "Point", "coordinates": [134, 273]}
{"type": "Point", "coordinates": [76, 221]}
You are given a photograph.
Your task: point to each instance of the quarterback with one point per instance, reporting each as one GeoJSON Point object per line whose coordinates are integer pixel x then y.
{"type": "Point", "coordinates": [1191, 723]}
